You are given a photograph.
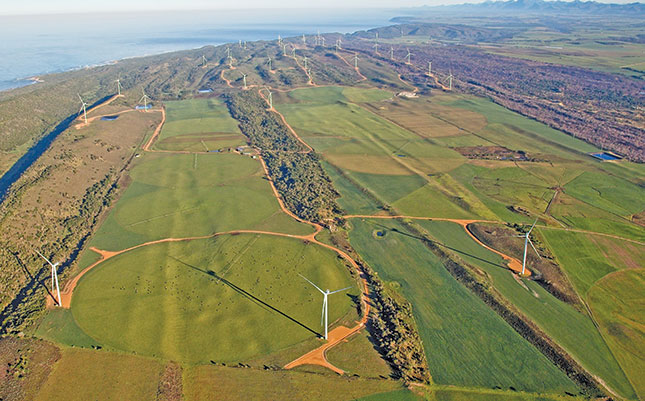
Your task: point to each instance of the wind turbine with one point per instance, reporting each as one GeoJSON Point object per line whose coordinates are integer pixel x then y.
{"type": "Point", "coordinates": [284, 49]}
{"type": "Point", "coordinates": [340, 42]}
{"type": "Point", "coordinates": [269, 62]}
{"type": "Point", "coordinates": [293, 52]}
{"type": "Point", "coordinates": [230, 59]}
{"type": "Point", "coordinates": [279, 40]}
{"type": "Point", "coordinates": [203, 61]}
{"type": "Point", "coordinates": [270, 97]}
{"type": "Point", "coordinates": [356, 61]}
{"type": "Point", "coordinates": [244, 45]}
{"type": "Point", "coordinates": [408, 56]}
{"type": "Point", "coordinates": [83, 107]}
{"type": "Point", "coordinates": [54, 276]}
{"type": "Point", "coordinates": [375, 47]}
{"type": "Point", "coordinates": [244, 79]}
{"type": "Point", "coordinates": [118, 86]}
{"type": "Point", "coordinates": [325, 308]}
{"type": "Point", "coordinates": [527, 241]}
{"type": "Point", "coordinates": [305, 59]}
{"type": "Point", "coordinates": [429, 67]}
{"type": "Point", "coordinates": [145, 100]}
{"type": "Point", "coordinates": [450, 81]}
{"type": "Point", "coordinates": [304, 40]}
{"type": "Point", "coordinates": [337, 47]}
{"type": "Point", "coordinates": [322, 38]}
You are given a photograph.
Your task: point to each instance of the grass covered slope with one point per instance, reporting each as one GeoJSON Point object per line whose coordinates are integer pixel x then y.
{"type": "Point", "coordinates": [229, 298]}
{"type": "Point", "coordinates": [570, 328]}
{"type": "Point", "coordinates": [198, 125]}
{"type": "Point", "coordinates": [192, 195]}
{"type": "Point", "coordinates": [465, 342]}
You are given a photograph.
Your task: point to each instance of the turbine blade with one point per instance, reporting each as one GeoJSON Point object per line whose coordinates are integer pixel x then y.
{"type": "Point", "coordinates": [532, 246]}
{"type": "Point", "coordinates": [43, 256]}
{"type": "Point", "coordinates": [344, 289]}
{"type": "Point", "coordinates": [533, 226]}
{"type": "Point", "coordinates": [322, 315]}
{"type": "Point", "coordinates": [311, 283]}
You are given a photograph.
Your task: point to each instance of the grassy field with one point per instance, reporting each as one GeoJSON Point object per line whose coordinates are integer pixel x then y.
{"type": "Point", "coordinates": [358, 356]}
{"type": "Point", "coordinates": [617, 304]}
{"type": "Point", "coordinates": [214, 383]}
{"type": "Point", "coordinates": [90, 375]}
{"type": "Point", "coordinates": [466, 343]}
{"type": "Point", "coordinates": [192, 195]}
{"type": "Point", "coordinates": [198, 125]}
{"type": "Point", "coordinates": [225, 299]}
{"type": "Point", "coordinates": [573, 330]}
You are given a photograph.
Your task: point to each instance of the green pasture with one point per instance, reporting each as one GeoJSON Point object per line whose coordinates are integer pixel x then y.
{"type": "Point", "coordinates": [333, 94]}
{"type": "Point", "coordinates": [573, 330]}
{"type": "Point", "coordinates": [358, 355]}
{"type": "Point", "coordinates": [192, 195]}
{"type": "Point", "coordinates": [582, 259]}
{"type": "Point", "coordinates": [219, 383]}
{"type": "Point", "coordinates": [577, 214]}
{"type": "Point", "coordinates": [465, 342]}
{"type": "Point", "coordinates": [609, 193]}
{"type": "Point", "coordinates": [102, 376]}
{"type": "Point", "coordinates": [228, 298]}
{"type": "Point", "coordinates": [198, 125]}
{"type": "Point", "coordinates": [59, 326]}
{"type": "Point", "coordinates": [617, 304]}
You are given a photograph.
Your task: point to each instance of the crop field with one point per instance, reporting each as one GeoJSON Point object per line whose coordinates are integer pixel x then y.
{"type": "Point", "coordinates": [617, 304]}
{"type": "Point", "coordinates": [572, 329]}
{"type": "Point", "coordinates": [198, 125]}
{"type": "Point", "coordinates": [215, 383]}
{"type": "Point", "coordinates": [229, 298]}
{"type": "Point", "coordinates": [465, 342]}
{"type": "Point", "coordinates": [192, 195]}
{"type": "Point", "coordinates": [104, 376]}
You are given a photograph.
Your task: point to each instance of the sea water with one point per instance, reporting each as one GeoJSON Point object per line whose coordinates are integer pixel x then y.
{"type": "Point", "coordinates": [33, 45]}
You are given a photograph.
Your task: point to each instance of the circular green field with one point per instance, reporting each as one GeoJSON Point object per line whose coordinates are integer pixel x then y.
{"type": "Point", "coordinates": [225, 299]}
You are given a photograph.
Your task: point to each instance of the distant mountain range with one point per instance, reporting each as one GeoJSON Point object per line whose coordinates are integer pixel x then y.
{"type": "Point", "coordinates": [636, 10]}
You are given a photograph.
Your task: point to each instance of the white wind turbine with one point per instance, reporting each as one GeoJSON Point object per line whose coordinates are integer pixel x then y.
{"type": "Point", "coordinates": [83, 107]}
{"type": "Point", "coordinates": [375, 48]}
{"type": "Point", "coordinates": [118, 86]}
{"type": "Point", "coordinates": [54, 277]}
{"type": "Point", "coordinates": [305, 60]}
{"type": "Point", "coordinates": [429, 67]}
{"type": "Point", "coordinates": [325, 305]}
{"type": "Point", "coordinates": [356, 61]}
{"type": "Point", "coordinates": [269, 62]}
{"type": "Point", "coordinates": [528, 241]}
{"type": "Point", "coordinates": [408, 56]}
{"type": "Point", "coordinates": [244, 80]}
{"type": "Point", "coordinates": [304, 39]}
{"type": "Point", "coordinates": [266, 88]}
{"type": "Point", "coordinates": [450, 81]}
{"type": "Point", "coordinates": [144, 98]}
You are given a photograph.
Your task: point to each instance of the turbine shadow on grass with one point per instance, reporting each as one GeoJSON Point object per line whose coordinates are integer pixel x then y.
{"type": "Point", "coordinates": [386, 228]}
{"type": "Point", "coordinates": [246, 294]}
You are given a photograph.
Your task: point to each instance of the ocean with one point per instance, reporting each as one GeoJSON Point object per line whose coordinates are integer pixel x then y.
{"type": "Point", "coordinates": [31, 46]}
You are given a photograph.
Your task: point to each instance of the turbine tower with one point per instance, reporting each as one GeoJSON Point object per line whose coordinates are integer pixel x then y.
{"type": "Point", "coordinates": [54, 277]}
{"type": "Point", "coordinates": [408, 56]}
{"type": "Point", "coordinates": [203, 61]}
{"type": "Point", "coordinates": [450, 81]}
{"type": "Point", "coordinates": [293, 52]}
{"type": "Point", "coordinates": [270, 97]}
{"type": "Point", "coordinates": [305, 60]}
{"type": "Point", "coordinates": [356, 61]}
{"type": "Point", "coordinates": [144, 98]}
{"type": "Point", "coordinates": [279, 40]}
{"type": "Point", "coordinates": [284, 49]}
{"type": "Point", "coordinates": [118, 86]}
{"type": "Point", "coordinates": [528, 241]}
{"type": "Point", "coordinates": [269, 62]}
{"type": "Point", "coordinates": [325, 305]}
{"type": "Point", "coordinates": [375, 47]}
{"type": "Point", "coordinates": [244, 79]}
{"type": "Point", "coordinates": [83, 107]}
{"type": "Point", "coordinates": [322, 38]}
{"type": "Point", "coordinates": [429, 67]}
{"type": "Point", "coordinates": [304, 40]}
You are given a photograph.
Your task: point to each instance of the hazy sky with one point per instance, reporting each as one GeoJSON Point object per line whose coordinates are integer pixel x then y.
{"type": "Point", "coordinates": [11, 7]}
